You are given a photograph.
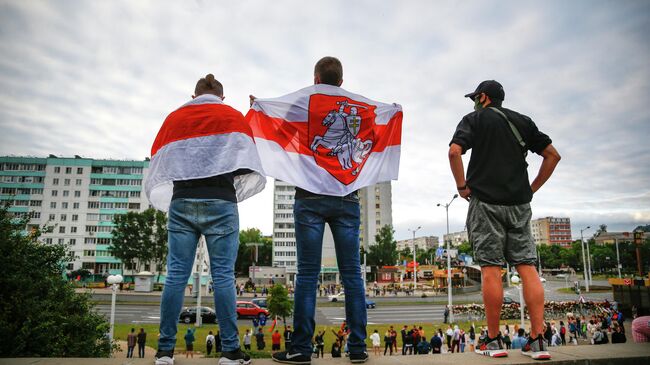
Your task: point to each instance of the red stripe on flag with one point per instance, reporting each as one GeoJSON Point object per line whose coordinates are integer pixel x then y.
{"type": "Point", "coordinates": [291, 136]}
{"type": "Point", "coordinates": [199, 121]}
{"type": "Point", "coordinates": [294, 136]}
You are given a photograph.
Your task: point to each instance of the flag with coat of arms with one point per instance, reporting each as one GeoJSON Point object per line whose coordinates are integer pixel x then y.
{"type": "Point", "coordinates": [327, 140]}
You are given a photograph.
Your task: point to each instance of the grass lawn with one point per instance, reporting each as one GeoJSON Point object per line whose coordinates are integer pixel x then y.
{"type": "Point", "coordinates": [121, 331]}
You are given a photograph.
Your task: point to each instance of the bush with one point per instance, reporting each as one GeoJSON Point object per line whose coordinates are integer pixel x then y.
{"type": "Point", "coordinates": [40, 313]}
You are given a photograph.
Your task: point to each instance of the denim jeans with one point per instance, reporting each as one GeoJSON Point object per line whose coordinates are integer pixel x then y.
{"type": "Point", "coordinates": [218, 221]}
{"type": "Point", "coordinates": [343, 216]}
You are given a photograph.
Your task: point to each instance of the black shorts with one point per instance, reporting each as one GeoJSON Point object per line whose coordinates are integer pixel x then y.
{"type": "Point", "coordinates": [275, 347]}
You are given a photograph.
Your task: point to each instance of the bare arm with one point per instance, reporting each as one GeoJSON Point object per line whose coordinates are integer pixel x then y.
{"type": "Point", "coordinates": [551, 159]}
{"type": "Point", "coordinates": [458, 170]}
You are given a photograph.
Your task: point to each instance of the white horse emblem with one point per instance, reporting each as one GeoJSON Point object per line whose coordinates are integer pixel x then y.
{"type": "Point", "coordinates": [341, 137]}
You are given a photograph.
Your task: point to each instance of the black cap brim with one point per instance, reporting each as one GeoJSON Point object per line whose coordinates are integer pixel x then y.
{"type": "Point", "coordinates": [472, 95]}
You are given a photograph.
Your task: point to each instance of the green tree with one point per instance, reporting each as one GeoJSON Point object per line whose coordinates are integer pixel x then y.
{"type": "Point", "coordinates": [278, 303]}
{"type": "Point", "coordinates": [139, 238]}
{"type": "Point", "coordinates": [40, 313]}
{"type": "Point", "coordinates": [465, 248]}
{"type": "Point", "coordinates": [384, 251]}
{"type": "Point", "coordinates": [246, 254]}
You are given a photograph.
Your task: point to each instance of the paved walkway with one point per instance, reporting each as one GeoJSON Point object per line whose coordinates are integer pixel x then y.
{"type": "Point", "coordinates": [628, 353]}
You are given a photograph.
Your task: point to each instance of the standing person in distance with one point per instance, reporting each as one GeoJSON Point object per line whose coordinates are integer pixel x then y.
{"type": "Point", "coordinates": [499, 195]}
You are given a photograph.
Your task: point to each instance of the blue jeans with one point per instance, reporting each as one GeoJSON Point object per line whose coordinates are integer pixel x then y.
{"type": "Point", "coordinates": [343, 216]}
{"type": "Point", "coordinates": [218, 221]}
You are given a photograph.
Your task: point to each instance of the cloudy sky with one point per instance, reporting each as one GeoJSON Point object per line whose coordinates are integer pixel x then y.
{"type": "Point", "coordinates": [97, 78]}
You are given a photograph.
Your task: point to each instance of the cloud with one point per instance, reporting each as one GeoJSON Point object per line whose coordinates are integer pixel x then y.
{"type": "Point", "coordinates": [97, 79]}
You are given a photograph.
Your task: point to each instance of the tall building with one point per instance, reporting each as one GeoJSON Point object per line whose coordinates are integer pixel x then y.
{"type": "Point", "coordinates": [424, 242]}
{"type": "Point", "coordinates": [376, 211]}
{"type": "Point", "coordinates": [456, 238]}
{"type": "Point", "coordinates": [79, 197]}
{"type": "Point", "coordinates": [551, 231]}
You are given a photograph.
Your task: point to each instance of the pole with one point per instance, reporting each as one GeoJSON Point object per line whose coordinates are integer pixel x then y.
{"type": "Point", "coordinates": [539, 263]}
{"type": "Point", "coordinates": [618, 259]}
{"type": "Point", "coordinates": [114, 295]}
{"type": "Point", "coordinates": [584, 261]}
{"type": "Point", "coordinates": [521, 304]}
{"type": "Point", "coordinates": [588, 263]}
{"type": "Point", "coordinates": [415, 273]}
{"type": "Point", "coordinates": [508, 273]}
{"type": "Point", "coordinates": [199, 317]}
{"type": "Point", "coordinates": [364, 272]}
{"type": "Point", "coordinates": [451, 311]}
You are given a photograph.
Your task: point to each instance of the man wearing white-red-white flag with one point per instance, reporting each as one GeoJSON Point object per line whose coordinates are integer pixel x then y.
{"type": "Point", "coordinates": [329, 143]}
{"type": "Point", "coordinates": [203, 162]}
{"type": "Point", "coordinates": [327, 140]}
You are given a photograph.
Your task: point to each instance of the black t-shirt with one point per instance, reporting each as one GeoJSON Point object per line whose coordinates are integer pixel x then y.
{"type": "Point", "coordinates": [497, 169]}
{"type": "Point", "coordinates": [215, 187]}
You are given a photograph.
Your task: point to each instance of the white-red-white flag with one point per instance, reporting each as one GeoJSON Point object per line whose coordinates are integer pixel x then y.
{"type": "Point", "coordinates": [327, 140]}
{"type": "Point", "coordinates": [203, 138]}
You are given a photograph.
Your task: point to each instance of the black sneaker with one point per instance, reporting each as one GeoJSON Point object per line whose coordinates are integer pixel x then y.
{"type": "Point", "coordinates": [358, 358]}
{"type": "Point", "coordinates": [287, 358]}
{"type": "Point", "coordinates": [235, 357]}
{"type": "Point", "coordinates": [164, 357]}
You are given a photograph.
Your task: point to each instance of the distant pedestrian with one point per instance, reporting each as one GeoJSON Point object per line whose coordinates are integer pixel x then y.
{"type": "Point", "coordinates": [388, 342]}
{"type": "Point", "coordinates": [375, 342]}
{"type": "Point", "coordinates": [436, 343]}
{"type": "Point", "coordinates": [276, 340]}
{"type": "Point", "coordinates": [404, 332]}
{"type": "Point", "coordinates": [259, 340]}
{"type": "Point", "coordinates": [209, 343]}
{"type": "Point", "coordinates": [287, 338]}
{"type": "Point", "coordinates": [618, 336]}
{"type": "Point", "coordinates": [189, 342]}
{"type": "Point", "coordinates": [130, 343]}
{"type": "Point", "coordinates": [472, 338]}
{"type": "Point", "coordinates": [217, 342]}
{"type": "Point", "coordinates": [247, 340]}
{"type": "Point", "coordinates": [142, 340]}
{"type": "Point", "coordinates": [562, 333]}
{"type": "Point", "coordinates": [450, 335]}
{"type": "Point", "coordinates": [446, 314]}
{"type": "Point", "coordinates": [319, 344]}
{"type": "Point", "coordinates": [455, 341]}
{"type": "Point", "coordinates": [520, 339]}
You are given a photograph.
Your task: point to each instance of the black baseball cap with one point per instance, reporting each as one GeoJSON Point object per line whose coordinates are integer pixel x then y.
{"type": "Point", "coordinates": [491, 88]}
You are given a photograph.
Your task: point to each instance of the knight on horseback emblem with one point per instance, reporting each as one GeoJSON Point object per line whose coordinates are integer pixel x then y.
{"type": "Point", "coordinates": [342, 136]}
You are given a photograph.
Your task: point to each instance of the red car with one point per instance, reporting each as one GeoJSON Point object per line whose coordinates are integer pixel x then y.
{"type": "Point", "coordinates": [248, 309]}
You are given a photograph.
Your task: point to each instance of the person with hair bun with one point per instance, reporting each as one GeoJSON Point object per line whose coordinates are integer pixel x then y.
{"type": "Point", "coordinates": [204, 162]}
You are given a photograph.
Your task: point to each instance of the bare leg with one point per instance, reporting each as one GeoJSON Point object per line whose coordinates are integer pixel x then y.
{"type": "Point", "coordinates": [492, 297]}
{"type": "Point", "coordinates": [534, 296]}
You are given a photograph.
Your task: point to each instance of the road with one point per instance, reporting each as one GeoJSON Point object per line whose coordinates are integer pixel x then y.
{"type": "Point", "coordinates": [404, 312]}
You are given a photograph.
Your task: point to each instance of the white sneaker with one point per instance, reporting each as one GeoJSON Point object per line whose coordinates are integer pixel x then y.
{"type": "Point", "coordinates": [164, 357]}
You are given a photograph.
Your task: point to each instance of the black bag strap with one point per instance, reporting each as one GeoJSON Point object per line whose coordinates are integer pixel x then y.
{"type": "Point", "coordinates": [514, 130]}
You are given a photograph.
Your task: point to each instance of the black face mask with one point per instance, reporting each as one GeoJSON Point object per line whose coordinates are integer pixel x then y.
{"type": "Point", "coordinates": [477, 104]}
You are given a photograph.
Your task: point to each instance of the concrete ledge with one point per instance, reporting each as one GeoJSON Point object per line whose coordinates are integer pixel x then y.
{"type": "Point", "coordinates": [628, 353]}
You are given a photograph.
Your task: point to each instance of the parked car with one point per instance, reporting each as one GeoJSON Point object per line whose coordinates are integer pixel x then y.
{"type": "Point", "coordinates": [338, 297]}
{"type": "Point", "coordinates": [508, 300]}
{"type": "Point", "coordinates": [249, 309]}
{"type": "Point", "coordinates": [370, 304]}
{"type": "Point", "coordinates": [260, 302]}
{"type": "Point", "coordinates": [188, 315]}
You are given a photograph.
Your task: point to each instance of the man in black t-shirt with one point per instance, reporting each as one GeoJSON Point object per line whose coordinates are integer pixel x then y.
{"type": "Point", "coordinates": [499, 192]}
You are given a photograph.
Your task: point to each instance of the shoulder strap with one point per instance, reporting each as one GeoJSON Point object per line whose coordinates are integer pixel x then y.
{"type": "Point", "coordinates": [513, 128]}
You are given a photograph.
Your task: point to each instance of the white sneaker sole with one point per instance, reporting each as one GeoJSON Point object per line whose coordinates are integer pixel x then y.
{"type": "Point", "coordinates": [539, 355]}
{"type": "Point", "coordinates": [227, 361]}
{"type": "Point", "coordinates": [492, 353]}
{"type": "Point", "coordinates": [165, 360]}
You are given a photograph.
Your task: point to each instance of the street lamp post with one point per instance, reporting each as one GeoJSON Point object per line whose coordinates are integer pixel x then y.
{"type": "Point", "coordinates": [114, 280]}
{"type": "Point", "coordinates": [415, 273]}
{"type": "Point", "coordinates": [451, 312]}
{"type": "Point", "coordinates": [515, 280]}
{"type": "Point", "coordinates": [618, 259]}
{"type": "Point", "coordinates": [584, 262]}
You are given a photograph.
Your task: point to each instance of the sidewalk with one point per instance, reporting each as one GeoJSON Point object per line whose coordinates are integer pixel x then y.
{"type": "Point", "coordinates": [628, 353]}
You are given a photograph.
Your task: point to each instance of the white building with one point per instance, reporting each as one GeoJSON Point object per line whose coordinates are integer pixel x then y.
{"type": "Point", "coordinates": [456, 238]}
{"type": "Point", "coordinates": [78, 197]}
{"type": "Point", "coordinates": [376, 211]}
{"type": "Point", "coordinates": [424, 242]}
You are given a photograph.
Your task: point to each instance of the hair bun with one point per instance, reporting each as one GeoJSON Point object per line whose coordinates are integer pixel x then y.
{"type": "Point", "coordinates": [209, 78]}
